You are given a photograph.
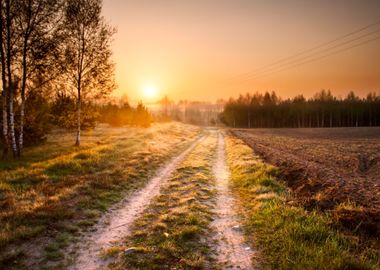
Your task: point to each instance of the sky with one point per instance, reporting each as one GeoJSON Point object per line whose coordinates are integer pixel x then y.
{"type": "Point", "coordinates": [212, 49]}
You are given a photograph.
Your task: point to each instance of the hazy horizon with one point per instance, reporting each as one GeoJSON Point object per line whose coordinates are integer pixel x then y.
{"type": "Point", "coordinates": [200, 50]}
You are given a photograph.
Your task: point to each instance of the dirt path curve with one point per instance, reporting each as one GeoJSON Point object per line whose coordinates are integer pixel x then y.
{"type": "Point", "coordinates": [232, 252]}
{"type": "Point", "coordinates": [115, 224]}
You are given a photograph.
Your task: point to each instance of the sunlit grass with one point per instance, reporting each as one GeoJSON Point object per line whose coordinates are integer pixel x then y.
{"type": "Point", "coordinates": [57, 187]}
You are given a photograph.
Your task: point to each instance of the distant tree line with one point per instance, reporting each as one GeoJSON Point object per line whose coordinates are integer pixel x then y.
{"type": "Point", "coordinates": [123, 114]}
{"type": "Point", "coordinates": [49, 47]}
{"type": "Point", "coordinates": [323, 110]}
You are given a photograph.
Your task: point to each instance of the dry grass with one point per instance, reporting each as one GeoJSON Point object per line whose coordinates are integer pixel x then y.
{"type": "Point", "coordinates": [173, 233]}
{"type": "Point", "coordinates": [57, 188]}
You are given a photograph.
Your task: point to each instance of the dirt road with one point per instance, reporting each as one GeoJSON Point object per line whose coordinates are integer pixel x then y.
{"type": "Point", "coordinates": [115, 224]}
{"type": "Point", "coordinates": [229, 246]}
{"type": "Point", "coordinates": [232, 252]}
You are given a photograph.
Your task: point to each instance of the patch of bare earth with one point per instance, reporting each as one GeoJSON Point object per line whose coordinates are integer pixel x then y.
{"type": "Point", "coordinates": [331, 169]}
{"type": "Point", "coordinates": [114, 226]}
{"type": "Point", "coordinates": [232, 251]}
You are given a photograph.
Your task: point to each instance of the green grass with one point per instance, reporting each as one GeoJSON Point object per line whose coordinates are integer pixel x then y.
{"type": "Point", "coordinates": [173, 232]}
{"type": "Point", "coordinates": [65, 189]}
{"type": "Point", "coordinates": [287, 236]}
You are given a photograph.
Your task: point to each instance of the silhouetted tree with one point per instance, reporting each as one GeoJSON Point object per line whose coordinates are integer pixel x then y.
{"type": "Point", "coordinates": [87, 54]}
{"type": "Point", "coordinates": [9, 49]}
{"type": "Point", "coordinates": [323, 110]}
{"type": "Point", "coordinates": [36, 21]}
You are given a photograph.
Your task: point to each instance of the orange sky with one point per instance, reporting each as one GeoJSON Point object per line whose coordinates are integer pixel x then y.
{"type": "Point", "coordinates": [198, 49]}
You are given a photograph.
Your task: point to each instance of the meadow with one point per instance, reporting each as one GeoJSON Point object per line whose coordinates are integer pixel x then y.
{"type": "Point", "coordinates": [58, 190]}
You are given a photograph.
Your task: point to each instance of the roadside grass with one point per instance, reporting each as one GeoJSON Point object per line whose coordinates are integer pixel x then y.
{"type": "Point", "coordinates": [173, 231]}
{"type": "Point", "coordinates": [59, 195]}
{"type": "Point", "coordinates": [287, 236]}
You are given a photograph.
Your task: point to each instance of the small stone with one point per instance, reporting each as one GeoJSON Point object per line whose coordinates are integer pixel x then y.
{"type": "Point", "coordinates": [130, 250]}
{"type": "Point", "coordinates": [166, 234]}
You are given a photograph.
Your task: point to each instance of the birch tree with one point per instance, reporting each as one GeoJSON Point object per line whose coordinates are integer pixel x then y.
{"type": "Point", "coordinates": [36, 22]}
{"type": "Point", "coordinates": [4, 82]}
{"type": "Point", "coordinates": [27, 41]}
{"type": "Point", "coordinates": [88, 66]}
{"type": "Point", "coordinates": [9, 46]}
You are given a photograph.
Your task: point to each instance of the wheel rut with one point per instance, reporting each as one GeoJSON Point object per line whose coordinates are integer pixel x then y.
{"type": "Point", "coordinates": [231, 250]}
{"type": "Point", "coordinates": [114, 226]}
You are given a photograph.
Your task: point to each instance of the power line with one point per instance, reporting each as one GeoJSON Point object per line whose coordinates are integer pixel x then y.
{"type": "Point", "coordinates": [291, 58]}
{"type": "Point", "coordinates": [324, 56]}
{"type": "Point", "coordinates": [305, 58]}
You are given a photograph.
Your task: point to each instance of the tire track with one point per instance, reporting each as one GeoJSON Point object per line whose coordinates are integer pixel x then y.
{"type": "Point", "coordinates": [232, 252]}
{"type": "Point", "coordinates": [114, 226]}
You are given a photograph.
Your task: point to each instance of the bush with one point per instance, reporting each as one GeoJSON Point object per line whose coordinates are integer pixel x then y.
{"type": "Point", "coordinates": [37, 119]}
{"type": "Point", "coordinates": [64, 110]}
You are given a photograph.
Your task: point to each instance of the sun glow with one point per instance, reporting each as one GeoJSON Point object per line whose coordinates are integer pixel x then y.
{"type": "Point", "coordinates": [150, 91]}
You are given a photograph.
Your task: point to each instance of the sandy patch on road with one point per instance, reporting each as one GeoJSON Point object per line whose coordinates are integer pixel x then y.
{"type": "Point", "coordinates": [114, 226]}
{"type": "Point", "coordinates": [232, 251]}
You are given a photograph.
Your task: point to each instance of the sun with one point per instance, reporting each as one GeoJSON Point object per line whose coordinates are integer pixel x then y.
{"type": "Point", "coordinates": [150, 91]}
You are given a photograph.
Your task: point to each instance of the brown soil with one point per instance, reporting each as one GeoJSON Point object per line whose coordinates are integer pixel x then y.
{"type": "Point", "coordinates": [328, 167]}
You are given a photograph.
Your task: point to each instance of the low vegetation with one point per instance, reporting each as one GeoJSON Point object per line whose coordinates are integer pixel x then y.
{"type": "Point", "coordinates": [57, 190]}
{"type": "Point", "coordinates": [288, 236]}
{"type": "Point", "coordinates": [174, 232]}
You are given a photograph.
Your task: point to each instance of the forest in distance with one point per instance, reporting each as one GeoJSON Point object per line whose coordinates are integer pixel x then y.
{"type": "Point", "coordinates": [323, 110]}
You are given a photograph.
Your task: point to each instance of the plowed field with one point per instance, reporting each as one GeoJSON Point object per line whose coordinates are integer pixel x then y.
{"type": "Point", "coordinates": [328, 169]}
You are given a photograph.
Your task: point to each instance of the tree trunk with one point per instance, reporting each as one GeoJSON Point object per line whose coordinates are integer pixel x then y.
{"type": "Point", "coordinates": [298, 120]}
{"type": "Point", "coordinates": [4, 84]}
{"type": "Point", "coordinates": [323, 119]}
{"type": "Point", "coordinates": [22, 117]}
{"type": "Point", "coordinates": [22, 107]}
{"type": "Point", "coordinates": [5, 121]}
{"type": "Point", "coordinates": [303, 119]}
{"type": "Point", "coordinates": [10, 85]}
{"type": "Point", "coordinates": [317, 119]}
{"type": "Point", "coordinates": [12, 122]}
{"type": "Point", "coordinates": [357, 120]}
{"type": "Point", "coordinates": [77, 143]}
{"type": "Point", "coordinates": [249, 119]}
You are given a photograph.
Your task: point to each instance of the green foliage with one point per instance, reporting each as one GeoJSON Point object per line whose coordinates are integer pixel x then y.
{"type": "Point", "coordinates": [124, 114]}
{"type": "Point", "coordinates": [37, 119]}
{"type": "Point", "coordinates": [64, 111]}
{"type": "Point", "coordinates": [142, 117]}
